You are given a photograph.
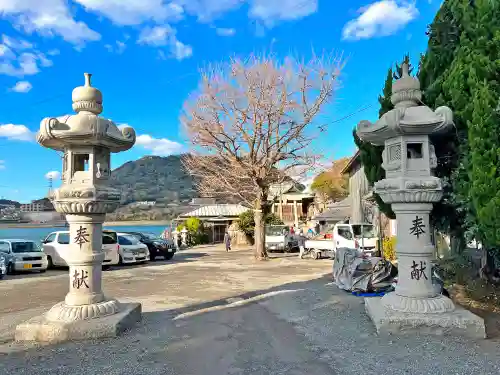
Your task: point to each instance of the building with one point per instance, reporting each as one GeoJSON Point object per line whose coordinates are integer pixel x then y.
{"type": "Point", "coordinates": [32, 207]}
{"type": "Point", "coordinates": [359, 206]}
{"type": "Point", "coordinates": [291, 202]}
{"type": "Point", "coordinates": [216, 218]}
{"type": "Point", "coordinates": [40, 211]}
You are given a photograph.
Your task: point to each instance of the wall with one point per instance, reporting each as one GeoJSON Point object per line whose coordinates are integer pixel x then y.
{"type": "Point", "coordinates": [46, 216]}
{"type": "Point", "coordinates": [358, 188]}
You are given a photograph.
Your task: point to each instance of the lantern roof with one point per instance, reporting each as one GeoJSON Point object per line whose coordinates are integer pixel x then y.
{"type": "Point", "coordinates": [409, 116]}
{"type": "Point", "coordinates": [85, 128]}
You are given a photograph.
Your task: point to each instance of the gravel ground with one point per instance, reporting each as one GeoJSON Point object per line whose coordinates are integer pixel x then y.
{"type": "Point", "coordinates": [306, 327]}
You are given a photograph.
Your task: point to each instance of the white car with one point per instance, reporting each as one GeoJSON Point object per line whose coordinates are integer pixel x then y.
{"type": "Point", "coordinates": [22, 255]}
{"type": "Point", "coordinates": [131, 250]}
{"type": "Point", "coordinates": [56, 244]}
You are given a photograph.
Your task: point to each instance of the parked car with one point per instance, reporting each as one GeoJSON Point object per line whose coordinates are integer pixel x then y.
{"type": "Point", "coordinates": [110, 248]}
{"type": "Point", "coordinates": [3, 266]}
{"type": "Point", "coordinates": [157, 246]}
{"type": "Point", "coordinates": [57, 243]}
{"type": "Point", "coordinates": [131, 250]}
{"type": "Point", "coordinates": [22, 255]}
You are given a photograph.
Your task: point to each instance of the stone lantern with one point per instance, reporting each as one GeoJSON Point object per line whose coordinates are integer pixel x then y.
{"type": "Point", "coordinates": [411, 188]}
{"type": "Point", "coordinates": [85, 196]}
{"type": "Point", "coordinates": [175, 237]}
{"type": "Point", "coordinates": [184, 235]}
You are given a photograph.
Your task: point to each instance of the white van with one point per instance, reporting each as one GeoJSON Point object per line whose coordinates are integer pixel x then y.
{"type": "Point", "coordinates": [57, 243]}
{"type": "Point", "coordinates": [22, 255]}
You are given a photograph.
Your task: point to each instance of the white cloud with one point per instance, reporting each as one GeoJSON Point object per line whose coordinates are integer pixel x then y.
{"type": "Point", "coordinates": [47, 17]}
{"type": "Point", "coordinates": [44, 61]}
{"type": "Point", "coordinates": [118, 47]}
{"type": "Point", "coordinates": [181, 51]}
{"type": "Point", "coordinates": [25, 65]}
{"type": "Point", "coordinates": [2, 164]}
{"type": "Point", "coordinates": [22, 86]}
{"type": "Point", "coordinates": [225, 32]}
{"type": "Point", "coordinates": [159, 36]}
{"type": "Point", "coordinates": [162, 55]}
{"type": "Point", "coordinates": [207, 10]}
{"type": "Point", "coordinates": [156, 36]}
{"type": "Point", "coordinates": [51, 18]}
{"type": "Point", "coordinates": [6, 52]}
{"type": "Point", "coordinates": [268, 11]}
{"type": "Point", "coordinates": [381, 18]}
{"type": "Point", "coordinates": [16, 44]}
{"type": "Point", "coordinates": [271, 11]}
{"type": "Point", "coordinates": [54, 175]}
{"type": "Point", "coordinates": [157, 146]}
{"type": "Point", "coordinates": [16, 132]}
{"type": "Point", "coordinates": [19, 57]}
{"type": "Point", "coordinates": [134, 12]}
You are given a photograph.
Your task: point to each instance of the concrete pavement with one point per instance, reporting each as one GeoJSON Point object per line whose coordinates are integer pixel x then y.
{"type": "Point", "coordinates": [212, 312]}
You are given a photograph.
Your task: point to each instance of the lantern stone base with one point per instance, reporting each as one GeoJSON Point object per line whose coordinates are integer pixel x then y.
{"type": "Point", "coordinates": [40, 329]}
{"type": "Point", "coordinates": [459, 322]}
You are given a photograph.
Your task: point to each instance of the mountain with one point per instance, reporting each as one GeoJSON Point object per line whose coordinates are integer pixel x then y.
{"type": "Point", "coordinates": [8, 202]}
{"type": "Point", "coordinates": [153, 188]}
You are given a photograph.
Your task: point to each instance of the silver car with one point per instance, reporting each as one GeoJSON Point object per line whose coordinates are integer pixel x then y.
{"type": "Point", "coordinates": [22, 255]}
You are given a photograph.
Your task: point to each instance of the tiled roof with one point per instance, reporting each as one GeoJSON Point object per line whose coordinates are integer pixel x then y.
{"type": "Point", "coordinates": [346, 202]}
{"type": "Point", "coordinates": [287, 187]}
{"type": "Point", "coordinates": [337, 211]}
{"type": "Point", "coordinates": [217, 210]}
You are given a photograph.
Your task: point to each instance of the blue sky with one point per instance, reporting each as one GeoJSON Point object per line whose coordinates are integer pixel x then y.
{"type": "Point", "coordinates": [145, 57]}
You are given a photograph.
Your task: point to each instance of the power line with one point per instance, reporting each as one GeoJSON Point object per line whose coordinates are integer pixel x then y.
{"type": "Point", "coordinates": [362, 109]}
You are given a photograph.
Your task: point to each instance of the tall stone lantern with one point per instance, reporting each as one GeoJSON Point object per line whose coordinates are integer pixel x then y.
{"type": "Point", "coordinates": [410, 187]}
{"type": "Point", "coordinates": [85, 196]}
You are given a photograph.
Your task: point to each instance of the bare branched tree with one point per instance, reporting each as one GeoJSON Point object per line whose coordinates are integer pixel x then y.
{"type": "Point", "coordinates": [251, 123]}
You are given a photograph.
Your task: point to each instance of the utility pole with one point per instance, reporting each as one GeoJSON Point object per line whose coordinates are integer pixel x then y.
{"type": "Point", "coordinates": [50, 187]}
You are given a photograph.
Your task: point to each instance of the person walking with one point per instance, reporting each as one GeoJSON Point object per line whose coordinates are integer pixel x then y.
{"type": "Point", "coordinates": [227, 241]}
{"type": "Point", "coordinates": [301, 239]}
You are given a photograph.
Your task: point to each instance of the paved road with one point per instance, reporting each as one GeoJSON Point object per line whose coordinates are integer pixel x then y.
{"type": "Point", "coordinates": [215, 313]}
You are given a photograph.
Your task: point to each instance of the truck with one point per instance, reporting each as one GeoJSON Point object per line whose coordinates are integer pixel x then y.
{"type": "Point", "coordinates": [279, 238]}
{"type": "Point", "coordinates": [355, 236]}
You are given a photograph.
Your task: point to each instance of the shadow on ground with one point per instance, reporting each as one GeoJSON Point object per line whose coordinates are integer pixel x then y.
{"type": "Point", "coordinates": [296, 328]}
{"type": "Point", "coordinates": [178, 258]}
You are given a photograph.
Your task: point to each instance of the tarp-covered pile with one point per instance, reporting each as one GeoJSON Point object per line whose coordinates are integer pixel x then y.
{"type": "Point", "coordinates": [354, 272]}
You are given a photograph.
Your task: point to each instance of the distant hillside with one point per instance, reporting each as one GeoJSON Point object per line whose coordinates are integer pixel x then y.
{"type": "Point", "coordinates": [8, 202]}
{"type": "Point", "coordinates": [153, 179]}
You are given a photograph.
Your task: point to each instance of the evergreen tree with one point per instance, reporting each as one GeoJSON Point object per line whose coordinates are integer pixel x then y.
{"type": "Point", "coordinates": [450, 214]}
{"type": "Point", "coordinates": [461, 70]}
{"type": "Point", "coordinates": [385, 98]}
{"type": "Point", "coordinates": [478, 60]}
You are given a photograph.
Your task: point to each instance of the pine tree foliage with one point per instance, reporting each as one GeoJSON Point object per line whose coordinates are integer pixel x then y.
{"type": "Point", "coordinates": [479, 58]}
{"type": "Point", "coordinates": [461, 69]}
{"type": "Point", "coordinates": [449, 215]}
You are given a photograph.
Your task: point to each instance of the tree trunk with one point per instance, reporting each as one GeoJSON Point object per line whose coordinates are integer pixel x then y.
{"type": "Point", "coordinates": [259, 234]}
{"type": "Point", "coordinates": [457, 243]}
{"type": "Point", "coordinates": [488, 266]}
